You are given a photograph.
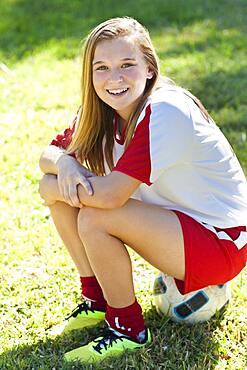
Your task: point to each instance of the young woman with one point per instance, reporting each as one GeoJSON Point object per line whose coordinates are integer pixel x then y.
{"type": "Point", "coordinates": [159, 176]}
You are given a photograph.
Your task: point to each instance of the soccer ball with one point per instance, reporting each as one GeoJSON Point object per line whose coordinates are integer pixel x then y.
{"type": "Point", "coordinates": [190, 308]}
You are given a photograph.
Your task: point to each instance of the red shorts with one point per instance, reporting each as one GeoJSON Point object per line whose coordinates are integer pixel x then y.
{"type": "Point", "coordinates": [212, 255]}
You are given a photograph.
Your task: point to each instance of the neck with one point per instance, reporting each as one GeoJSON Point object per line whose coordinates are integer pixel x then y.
{"type": "Point", "coordinates": [123, 118]}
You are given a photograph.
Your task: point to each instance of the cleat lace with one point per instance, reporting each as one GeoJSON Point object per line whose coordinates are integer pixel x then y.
{"type": "Point", "coordinates": [108, 337]}
{"type": "Point", "coordinates": [82, 307]}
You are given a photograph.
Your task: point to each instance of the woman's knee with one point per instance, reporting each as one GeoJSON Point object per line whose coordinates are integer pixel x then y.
{"type": "Point", "coordinates": [88, 221]}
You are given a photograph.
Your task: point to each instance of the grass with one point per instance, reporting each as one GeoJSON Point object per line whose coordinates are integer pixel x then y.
{"type": "Point", "coordinates": [201, 45]}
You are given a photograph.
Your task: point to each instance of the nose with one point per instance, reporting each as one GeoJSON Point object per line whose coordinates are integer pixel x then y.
{"type": "Point", "coordinates": [115, 76]}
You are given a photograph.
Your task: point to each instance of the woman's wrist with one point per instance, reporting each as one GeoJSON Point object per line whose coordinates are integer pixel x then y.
{"type": "Point", "coordinates": [62, 160]}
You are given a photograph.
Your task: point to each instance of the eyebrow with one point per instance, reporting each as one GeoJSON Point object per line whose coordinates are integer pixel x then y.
{"type": "Point", "coordinates": [123, 59]}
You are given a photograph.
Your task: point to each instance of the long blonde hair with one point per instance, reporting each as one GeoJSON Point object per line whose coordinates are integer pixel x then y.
{"type": "Point", "coordinates": [96, 121]}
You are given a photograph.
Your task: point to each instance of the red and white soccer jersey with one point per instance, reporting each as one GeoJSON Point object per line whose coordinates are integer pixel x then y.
{"type": "Point", "coordinates": [184, 162]}
{"type": "Point", "coordinates": [186, 165]}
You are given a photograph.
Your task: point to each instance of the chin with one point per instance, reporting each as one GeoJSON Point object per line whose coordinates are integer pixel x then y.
{"type": "Point", "coordinates": [117, 106]}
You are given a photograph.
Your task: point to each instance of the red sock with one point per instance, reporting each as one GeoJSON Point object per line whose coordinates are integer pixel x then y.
{"type": "Point", "coordinates": [127, 320]}
{"type": "Point", "coordinates": [91, 291]}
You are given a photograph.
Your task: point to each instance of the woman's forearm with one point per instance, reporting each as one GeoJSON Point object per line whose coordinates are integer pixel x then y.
{"type": "Point", "coordinates": [54, 159]}
{"type": "Point", "coordinates": [104, 195]}
{"type": "Point", "coordinates": [49, 159]}
{"type": "Point", "coordinates": [49, 191]}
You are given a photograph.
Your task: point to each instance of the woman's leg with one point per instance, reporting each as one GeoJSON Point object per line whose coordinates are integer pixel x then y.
{"type": "Point", "coordinates": [153, 232]}
{"type": "Point", "coordinates": [65, 220]}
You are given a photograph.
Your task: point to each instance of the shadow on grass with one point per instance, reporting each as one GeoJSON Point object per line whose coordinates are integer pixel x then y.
{"type": "Point", "coordinates": [174, 346]}
{"type": "Point", "coordinates": [29, 26]}
{"type": "Point", "coordinates": [231, 87]}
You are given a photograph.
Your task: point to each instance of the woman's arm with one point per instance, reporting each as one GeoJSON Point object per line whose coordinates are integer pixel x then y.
{"type": "Point", "coordinates": [49, 191]}
{"type": "Point", "coordinates": [49, 159]}
{"type": "Point", "coordinates": [110, 191]}
{"type": "Point", "coordinates": [70, 173]}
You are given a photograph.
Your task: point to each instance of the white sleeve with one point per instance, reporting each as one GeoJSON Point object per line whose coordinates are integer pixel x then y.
{"type": "Point", "coordinates": [170, 137]}
{"type": "Point", "coordinates": [161, 139]}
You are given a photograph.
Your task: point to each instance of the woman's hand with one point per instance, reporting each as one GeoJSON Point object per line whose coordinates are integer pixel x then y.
{"type": "Point", "coordinates": [70, 174]}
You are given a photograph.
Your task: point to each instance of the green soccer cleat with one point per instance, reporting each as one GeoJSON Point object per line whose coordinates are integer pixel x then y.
{"type": "Point", "coordinates": [111, 343]}
{"type": "Point", "coordinates": [81, 317]}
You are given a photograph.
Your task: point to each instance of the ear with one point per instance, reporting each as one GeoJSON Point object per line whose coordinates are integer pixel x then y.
{"type": "Point", "coordinates": [150, 73]}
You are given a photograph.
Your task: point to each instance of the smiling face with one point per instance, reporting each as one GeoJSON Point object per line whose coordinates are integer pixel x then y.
{"type": "Point", "coordinates": [120, 74]}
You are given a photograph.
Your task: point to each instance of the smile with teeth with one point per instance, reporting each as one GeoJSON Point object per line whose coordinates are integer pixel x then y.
{"type": "Point", "coordinates": [117, 92]}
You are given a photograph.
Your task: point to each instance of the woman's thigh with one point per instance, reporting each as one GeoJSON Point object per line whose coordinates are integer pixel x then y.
{"type": "Point", "coordinates": [154, 233]}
